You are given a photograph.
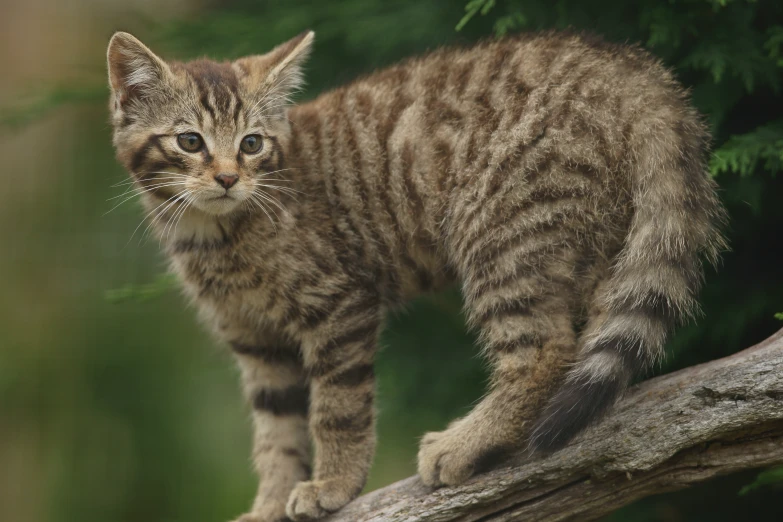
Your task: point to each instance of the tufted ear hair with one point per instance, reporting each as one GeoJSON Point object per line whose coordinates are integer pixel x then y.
{"type": "Point", "coordinates": [135, 72]}
{"type": "Point", "coordinates": [276, 75]}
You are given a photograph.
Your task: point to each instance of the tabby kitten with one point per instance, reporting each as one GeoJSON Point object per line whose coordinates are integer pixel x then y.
{"type": "Point", "coordinates": [558, 179]}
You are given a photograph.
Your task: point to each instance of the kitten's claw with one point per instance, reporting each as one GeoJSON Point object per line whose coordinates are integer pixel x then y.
{"type": "Point", "coordinates": [444, 459]}
{"type": "Point", "coordinates": [317, 498]}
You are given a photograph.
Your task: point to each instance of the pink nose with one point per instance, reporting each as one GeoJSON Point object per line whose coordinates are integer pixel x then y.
{"type": "Point", "coordinates": [226, 180]}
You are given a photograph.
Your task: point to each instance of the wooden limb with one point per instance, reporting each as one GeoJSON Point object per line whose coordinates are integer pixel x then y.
{"type": "Point", "coordinates": [666, 434]}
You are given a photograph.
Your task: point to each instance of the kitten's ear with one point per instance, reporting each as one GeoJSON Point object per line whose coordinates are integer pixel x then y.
{"type": "Point", "coordinates": [278, 72]}
{"type": "Point", "coordinates": [134, 70]}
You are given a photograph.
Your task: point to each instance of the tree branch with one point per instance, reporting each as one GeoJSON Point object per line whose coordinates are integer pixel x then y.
{"type": "Point", "coordinates": [666, 434]}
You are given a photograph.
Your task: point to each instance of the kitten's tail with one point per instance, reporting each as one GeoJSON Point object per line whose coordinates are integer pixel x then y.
{"type": "Point", "coordinates": [676, 213]}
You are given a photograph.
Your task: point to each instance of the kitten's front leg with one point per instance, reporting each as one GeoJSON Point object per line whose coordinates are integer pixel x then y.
{"type": "Point", "coordinates": [342, 416]}
{"type": "Point", "coordinates": [274, 384]}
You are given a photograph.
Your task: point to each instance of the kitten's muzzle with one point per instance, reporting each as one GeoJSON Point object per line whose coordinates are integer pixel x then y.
{"type": "Point", "coordinates": [226, 180]}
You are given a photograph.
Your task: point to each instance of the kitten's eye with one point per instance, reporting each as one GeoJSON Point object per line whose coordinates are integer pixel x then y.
{"type": "Point", "coordinates": [251, 144]}
{"type": "Point", "coordinates": [190, 142]}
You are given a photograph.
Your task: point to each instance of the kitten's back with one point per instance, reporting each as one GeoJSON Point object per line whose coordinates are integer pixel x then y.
{"type": "Point", "coordinates": [433, 161]}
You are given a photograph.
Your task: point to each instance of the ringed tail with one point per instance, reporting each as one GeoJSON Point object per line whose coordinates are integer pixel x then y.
{"type": "Point", "coordinates": [654, 279]}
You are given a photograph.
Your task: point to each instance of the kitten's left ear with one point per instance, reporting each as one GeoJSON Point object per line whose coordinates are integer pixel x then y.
{"type": "Point", "coordinates": [278, 72]}
{"type": "Point", "coordinates": [135, 72]}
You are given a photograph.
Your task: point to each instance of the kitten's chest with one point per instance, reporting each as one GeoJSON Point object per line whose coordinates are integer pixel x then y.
{"type": "Point", "coordinates": [231, 289]}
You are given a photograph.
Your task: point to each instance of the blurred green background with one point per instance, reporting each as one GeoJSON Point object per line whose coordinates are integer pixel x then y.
{"type": "Point", "coordinates": [115, 406]}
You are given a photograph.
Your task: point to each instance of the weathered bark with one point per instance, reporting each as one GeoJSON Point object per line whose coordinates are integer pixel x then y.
{"type": "Point", "coordinates": [667, 433]}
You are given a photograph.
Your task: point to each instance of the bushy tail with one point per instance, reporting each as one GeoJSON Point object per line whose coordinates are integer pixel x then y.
{"type": "Point", "coordinates": [654, 280]}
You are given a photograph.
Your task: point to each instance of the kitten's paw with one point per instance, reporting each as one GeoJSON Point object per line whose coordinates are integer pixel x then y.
{"type": "Point", "coordinates": [444, 459]}
{"type": "Point", "coordinates": [260, 517]}
{"type": "Point", "coordinates": [317, 498]}
{"type": "Point", "coordinates": [266, 509]}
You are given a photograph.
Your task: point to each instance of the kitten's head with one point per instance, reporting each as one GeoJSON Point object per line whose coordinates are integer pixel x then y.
{"type": "Point", "coordinates": [203, 132]}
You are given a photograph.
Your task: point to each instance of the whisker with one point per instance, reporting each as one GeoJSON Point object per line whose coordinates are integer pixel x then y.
{"type": "Point", "coordinates": [187, 204]}
{"type": "Point", "coordinates": [162, 213]}
{"type": "Point", "coordinates": [135, 180]}
{"type": "Point", "coordinates": [267, 100]}
{"type": "Point", "coordinates": [276, 171]}
{"type": "Point", "coordinates": [132, 183]}
{"type": "Point", "coordinates": [264, 109]}
{"type": "Point", "coordinates": [284, 189]}
{"type": "Point", "coordinates": [179, 197]}
{"type": "Point", "coordinates": [156, 214]}
{"type": "Point", "coordinates": [126, 190]}
{"type": "Point", "coordinates": [164, 172]}
{"type": "Point", "coordinates": [255, 203]}
{"type": "Point", "coordinates": [164, 182]}
{"type": "Point", "coordinates": [270, 108]}
{"type": "Point", "coordinates": [260, 204]}
{"type": "Point", "coordinates": [170, 176]}
{"type": "Point", "coordinates": [128, 198]}
{"type": "Point", "coordinates": [289, 194]}
{"type": "Point", "coordinates": [279, 179]}
{"type": "Point", "coordinates": [270, 199]}
{"type": "Point", "coordinates": [149, 214]}
{"type": "Point", "coordinates": [142, 190]}
{"type": "Point", "coordinates": [175, 217]}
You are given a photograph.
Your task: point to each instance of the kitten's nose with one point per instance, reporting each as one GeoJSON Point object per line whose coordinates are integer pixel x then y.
{"type": "Point", "coordinates": [226, 180]}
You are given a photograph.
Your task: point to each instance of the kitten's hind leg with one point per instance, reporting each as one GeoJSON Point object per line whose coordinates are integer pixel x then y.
{"type": "Point", "coordinates": [526, 325]}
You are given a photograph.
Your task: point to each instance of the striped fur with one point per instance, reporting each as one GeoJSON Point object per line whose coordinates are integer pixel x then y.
{"type": "Point", "coordinates": [558, 179]}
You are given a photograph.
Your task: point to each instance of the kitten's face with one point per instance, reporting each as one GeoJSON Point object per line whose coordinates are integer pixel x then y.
{"type": "Point", "coordinates": [204, 134]}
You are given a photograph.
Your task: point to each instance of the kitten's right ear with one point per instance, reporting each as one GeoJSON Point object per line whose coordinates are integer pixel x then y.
{"type": "Point", "coordinates": [135, 72]}
{"type": "Point", "coordinates": [278, 73]}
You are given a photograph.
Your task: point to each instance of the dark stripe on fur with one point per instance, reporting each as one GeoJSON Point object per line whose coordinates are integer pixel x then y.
{"type": "Point", "coordinates": [361, 333]}
{"type": "Point", "coordinates": [140, 156]}
{"type": "Point", "coordinates": [356, 424]}
{"type": "Point", "coordinates": [656, 306]}
{"type": "Point", "coordinates": [523, 341]}
{"type": "Point", "coordinates": [268, 354]}
{"type": "Point", "coordinates": [328, 356]}
{"type": "Point", "coordinates": [293, 400]}
{"type": "Point", "coordinates": [583, 399]}
{"type": "Point", "coordinates": [517, 308]}
{"type": "Point", "coordinates": [574, 407]}
{"type": "Point", "coordinates": [294, 453]}
{"type": "Point", "coordinates": [353, 376]}
{"type": "Point", "coordinates": [278, 150]}
{"type": "Point", "coordinates": [204, 100]}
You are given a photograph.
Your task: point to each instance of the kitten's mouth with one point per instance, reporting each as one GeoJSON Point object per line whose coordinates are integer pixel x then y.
{"type": "Point", "coordinates": [219, 204]}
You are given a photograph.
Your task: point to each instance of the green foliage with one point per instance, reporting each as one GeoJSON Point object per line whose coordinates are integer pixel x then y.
{"type": "Point", "coordinates": [779, 316]}
{"type": "Point", "coordinates": [774, 44]}
{"type": "Point", "coordinates": [770, 477]}
{"type": "Point", "coordinates": [473, 8]}
{"type": "Point", "coordinates": [140, 293]}
{"type": "Point", "coordinates": [42, 103]}
{"type": "Point", "coordinates": [741, 154]}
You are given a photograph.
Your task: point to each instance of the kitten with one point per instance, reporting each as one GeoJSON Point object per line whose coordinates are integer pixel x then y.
{"type": "Point", "coordinates": [558, 179]}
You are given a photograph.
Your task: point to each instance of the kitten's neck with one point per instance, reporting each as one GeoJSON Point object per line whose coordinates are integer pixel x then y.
{"type": "Point", "coordinates": [180, 229]}
{"type": "Point", "coordinates": [195, 226]}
